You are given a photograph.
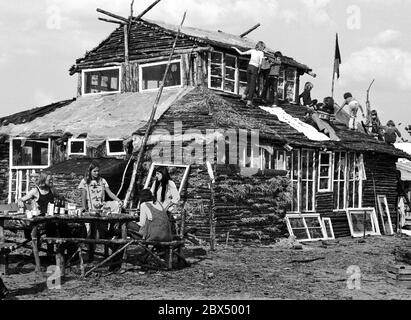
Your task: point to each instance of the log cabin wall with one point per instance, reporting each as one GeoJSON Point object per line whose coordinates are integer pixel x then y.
{"type": "Point", "coordinates": [381, 169]}
{"type": "Point", "coordinates": [4, 171]}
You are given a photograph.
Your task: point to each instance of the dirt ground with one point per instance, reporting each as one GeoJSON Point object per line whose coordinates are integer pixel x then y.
{"type": "Point", "coordinates": [235, 272]}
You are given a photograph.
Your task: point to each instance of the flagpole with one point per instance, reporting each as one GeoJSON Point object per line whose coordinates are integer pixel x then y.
{"type": "Point", "coordinates": [333, 81]}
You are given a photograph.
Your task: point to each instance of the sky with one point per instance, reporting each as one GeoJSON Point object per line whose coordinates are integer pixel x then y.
{"type": "Point", "coordinates": [41, 39]}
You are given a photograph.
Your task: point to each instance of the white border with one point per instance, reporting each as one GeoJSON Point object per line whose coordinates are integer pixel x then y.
{"type": "Point", "coordinates": [76, 140]}
{"type": "Point", "coordinates": [27, 167]}
{"type": "Point", "coordinates": [83, 84]}
{"type": "Point", "coordinates": [331, 228]}
{"type": "Point", "coordinates": [303, 216]}
{"type": "Point", "coordinates": [330, 172]}
{"type": "Point", "coordinates": [374, 223]}
{"type": "Point", "coordinates": [183, 181]}
{"type": "Point", "coordinates": [114, 153]}
{"type": "Point", "coordinates": [140, 74]}
{"type": "Point", "coordinates": [384, 200]}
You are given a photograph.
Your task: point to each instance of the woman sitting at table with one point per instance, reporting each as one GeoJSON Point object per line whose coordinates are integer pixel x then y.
{"type": "Point", "coordinates": [154, 223]}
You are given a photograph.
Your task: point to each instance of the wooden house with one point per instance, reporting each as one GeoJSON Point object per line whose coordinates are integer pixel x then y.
{"type": "Point", "coordinates": [199, 119]}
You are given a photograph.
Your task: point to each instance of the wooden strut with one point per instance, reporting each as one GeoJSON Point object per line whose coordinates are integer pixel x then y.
{"type": "Point", "coordinates": [109, 258]}
{"type": "Point", "coordinates": [112, 21]}
{"type": "Point", "coordinates": [250, 30]}
{"type": "Point", "coordinates": [150, 122]}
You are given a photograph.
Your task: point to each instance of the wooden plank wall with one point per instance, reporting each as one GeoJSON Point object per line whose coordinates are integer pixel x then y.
{"type": "Point", "coordinates": [4, 172]}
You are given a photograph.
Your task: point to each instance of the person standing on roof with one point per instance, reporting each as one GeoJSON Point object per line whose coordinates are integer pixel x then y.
{"type": "Point", "coordinates": [256, 60]}
{"type": "Point", "coordinates": [271, 77]}
{"type": "Point", "coordinates": [391, 132]}
{"type": "Point", "coordinates": [353, 105]}
{"type": "Point", "coordinates": [375, 126]}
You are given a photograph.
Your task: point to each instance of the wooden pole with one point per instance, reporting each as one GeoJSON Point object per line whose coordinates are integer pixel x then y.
{"type": "Point", "coordinates": [111, 21]}
{"type": "Point", "coordinates": [147, 10]}
{"type": "Point", "coordinates": [212, 217]}
{"type": "Point", "coordinates": [126, 55]}
{"type": "Point", "coordinates": [250, 30]}
{"type": "Point", "coordinates": [150, 121]}
{"type": "Point", "coordinates": [115, 16]}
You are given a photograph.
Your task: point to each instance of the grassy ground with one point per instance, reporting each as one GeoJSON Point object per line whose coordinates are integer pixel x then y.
{"type": "Point", "coordinates": [235, 272]}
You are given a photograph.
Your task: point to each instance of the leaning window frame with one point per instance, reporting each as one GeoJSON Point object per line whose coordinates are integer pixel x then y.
{"type": "Point", "coordinates": [83, 79]}
{"type": "Point", "coordinates": [151, 64]}
{"type": "Point", "coordinates": [330, 172]}
{"type": "Point", "coordinates": [114, 153]}
{"type": "Point", "coordinates": [303, 216]}
{"type": "Point", "coordinates": [27, 167]}
{"type": "Point", "coordinates": [69, 153]}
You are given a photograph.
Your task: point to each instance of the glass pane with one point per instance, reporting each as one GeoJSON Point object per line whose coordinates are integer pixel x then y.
{"type": "Point", "coordinates": [295, 196]}
{"type": "Point", "coordinates": [311, 165]}
{"type": "Point", "coordinates": [229, 86]}
{"type": "Point", "coordinates": [290, 74]}
{"type": "Point", "coordinates": [325, 158]}
{"type": "Point", "coordinates": [216, 57]}
{"type": "Point", "coordinates": [77, 146]}
{"type": "Point", "coordinates": [324, 171]}
{"type": "Point", "coordinates": [243, 64]}
{"type": "Point", "coordinates": [101, 81]}
{"type": "Point", "coordinates": [230, 74]}
{"type": "Point", "coordinates": [301, 234]}
{"type": "Point", "coordinates": [316, 233]}
{"type": "Point", "coordinates": [216, 83]}
{"type": "Point", "coordinates": [243, 76]}
{"type": "Point", "coordinates": [341, 196]}
{"type": "Point", "coordinates": [296, 222]}
{"type": "Point", "coordinates": [312, 222]}
{"type": "Point", "coordinates": [304, 196]}
{"type": "Point", "coordinates": [310, 196]}
{"type": "Point", "coordinates": [242, 88]}
{"type": "Point", "coordinates": [336, 195]}
{"type": "Point", "coordinates": [153, 76]}
{"type": "Point", "coordinates": [324, 184]}
{"type": "Point", "coordinates": [28, 152]}
{"type": "Point", "coordinates": [358, 222]}
{"type": "Point", "coordinates": [116, 146]}
{"type": "Point", "coordinates": [230, 61]}
{"type": "Point", "coordinates": [290, 91]}
{"type": "Point", "coordinates": [327, 226]}
{"type": "Point", "coordinates": [216, 70]}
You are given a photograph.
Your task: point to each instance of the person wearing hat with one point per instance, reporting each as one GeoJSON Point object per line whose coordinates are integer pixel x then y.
{"type": "Point", "coordinates": [375, 125]}
{"type": "Point", "coordinates": [353, 106]}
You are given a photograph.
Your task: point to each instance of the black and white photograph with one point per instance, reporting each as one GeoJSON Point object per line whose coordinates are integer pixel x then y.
{"type": "Point", "coordinates": [218, 152]}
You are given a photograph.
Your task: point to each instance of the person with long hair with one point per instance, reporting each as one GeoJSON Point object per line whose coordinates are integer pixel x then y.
{"type": "Point", "coordinates": [256, 60]}
{"type": "Point", "coordinates": [164, 189]}
{"type": "Point", "coordinates": [94, 188]}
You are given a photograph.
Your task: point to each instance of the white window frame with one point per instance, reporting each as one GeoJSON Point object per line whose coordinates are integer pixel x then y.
{"type": "Point", "coordinates": [27, 167]}
{"type": "Point", "coordinates": [223, 69]}
{"type": "Point", "coordinates": [145, 65]}
{"type": "Point", "coordinates": [357, 157]}
{"type": "Point", "coordinates": [83, 81]}
{"type": "Point", "coordinates": [295, 179]}
{"type": "Point", "coordinates": [344, 190]}
{"type": "Point", "coordinates": [382, 201]}
{"type": "Point", "coordinates": [183, 180]}
{"type": "Point", "coordinates": [305, 205]}
{"type": "Point", "coordinates": [303, 216]}
{"type": "Point", "coordinates": [330, 171]}
{"type": "Point", "coordinates": [374, 223]}
{"type": "Point", "coordinates": [76, 140]}
{"type": "Point", "coordinates": [114, 153]}
{"type": "Point", "coordinates": [238, 73]}
{"type": "Point", "coordinates": [328, 220]}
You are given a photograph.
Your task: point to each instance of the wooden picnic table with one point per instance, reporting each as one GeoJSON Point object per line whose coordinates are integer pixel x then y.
{"type": "Point", "coordinates": [34, 224]}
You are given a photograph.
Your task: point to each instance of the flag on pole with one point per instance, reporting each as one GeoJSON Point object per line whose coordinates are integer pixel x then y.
{"type": "Point", "coordinates": [337, 59]}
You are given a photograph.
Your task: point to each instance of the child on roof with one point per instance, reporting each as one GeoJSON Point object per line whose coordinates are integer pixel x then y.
{"type": "Point", "coordinates": [375, 126]}
{"type": "Point", "coordinates": [306, 95]}
{"type": "Point", "coordinates": [391, 132]}
{"type": "Point", "coordinates": [353, 106]}
{"type": "Point", "coordinates": [256, 60]}
{"type": "Point", "coordinates": [271, 72]}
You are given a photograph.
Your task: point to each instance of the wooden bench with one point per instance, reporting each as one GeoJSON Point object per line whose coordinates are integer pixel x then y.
{"type": "Point", "coordinates": [152, 249]}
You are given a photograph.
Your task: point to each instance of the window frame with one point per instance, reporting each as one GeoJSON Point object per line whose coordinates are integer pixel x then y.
{"type": "Point", "coordinates": [304, 207]}
{"type": "Point", "coordinates": [32, 167]}
{"type": "Point", "coordinates": [158, 63]}
{"type": "Point", "coordinates": [69, 153]}
{"type": "Point", "coordinates": [83, 80]}
{"type": "Point", "coordinates": [330, 172]}
{"type": "Point", "coordinates": [374, 222]}
{"type": "Point", "coordinates": [114, 153]}
{"type": "Point", "coordinates": [303, 216]}
{"type": "Point", "coordinates": [223, 70]}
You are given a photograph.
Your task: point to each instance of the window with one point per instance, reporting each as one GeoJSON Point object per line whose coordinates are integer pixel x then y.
{"type": "Point", "coordinates": [223, 72]}
{"type": "Point", "coordinates": [307, 180]}
{"type": "Point", "coordinates": [152, 74]}
{"type": "Point", "coordinates": [287, 84]}
{"type": "Point", "coordinates": [349, 173]}
{"type": "Point", "coordinates": [115, 148]}
{"type": "Point", "coordinates": [20, 183]}
{"type": "Point", "coordinates": [242, 74]}
{"type": "Point", "coordinates": [324, 173]}
{"type": "Point", "coordinates": [30, 153]}
{"type": "Point", "coordinates": [77, 147]}
{"type": "Point", "coordinates": [293, 167]}
{"type": "Point", "coordinates": [102, 80]}
{"type": "Point", "coordinates": [306, 227]}
{"type": "Point", "coordinates": [358, 224]}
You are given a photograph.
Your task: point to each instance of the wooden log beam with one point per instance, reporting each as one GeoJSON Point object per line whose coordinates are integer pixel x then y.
{"type": "Point", "coordinates": [115, 16]}
{"type": "Point", "coordinates": [111, 21]}
{"type": "Point", "coordinates": [147, 10]}
{"type": "Point", "coordinates": [250, 30]}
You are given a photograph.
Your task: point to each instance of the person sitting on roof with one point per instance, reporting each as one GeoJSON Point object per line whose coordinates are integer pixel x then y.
{"type": "Point", "coordinates": [256, 60]}
{"type": "Point", "coordinates": [328, 105]}
{"type": "Point", "coordinates": [353, 105]}
{"type": "Point", "coordinates": [375, 126]}
{"type": "Point", "coordinates": [271, 72]}
{"type": "Point", "coordinates": [306, 95]}
{"type": "Point", "coordinates": [391, 132]}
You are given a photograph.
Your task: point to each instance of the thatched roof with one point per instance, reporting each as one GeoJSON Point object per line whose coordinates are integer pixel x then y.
{"type": "Point", "coordinates": [114, 116]}
{"type": "Point", "coordinates": [154, 38]}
